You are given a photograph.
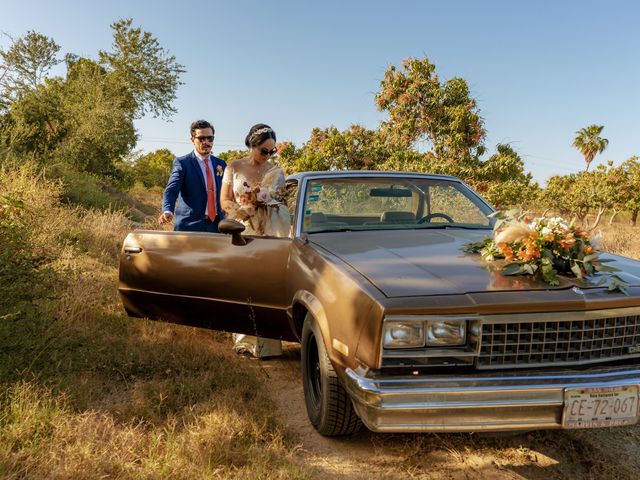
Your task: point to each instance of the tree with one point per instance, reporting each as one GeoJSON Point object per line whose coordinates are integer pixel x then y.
{"type": "Point", "coordinates": [25, 65]}
{"type": "Point", "coordinates": [603, 188]}
{"type": "Point", "coordinates": [231, 155]}
{"type": "Point", "coordinates": [631, 188]}
{"type": "Point", "coordinates": [502, 179]}
{"type": "Point", "coordinates": [153, 169]}
{"type": "Point", "coordinates": [355, 148]}
{"type": "Point", "coordinates": [589, 143]}
{"type": "Point", "coordinates": [145, 69]}
{"type": "Point", "coordinates": [422, 108]}
{"type": "Point", "coordinates": [586, 192]}
{"type": "Point", "coordinates": [85, 119]}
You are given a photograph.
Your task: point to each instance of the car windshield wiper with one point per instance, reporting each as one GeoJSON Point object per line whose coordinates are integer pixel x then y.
{"type": "Point", "coordinates": [332, 229]}
{"type": "Point", "coordinates": [449, 225]}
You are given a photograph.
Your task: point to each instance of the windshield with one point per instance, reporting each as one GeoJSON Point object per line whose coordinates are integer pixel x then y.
{"type": "Point", "coordinates": [391, 203]}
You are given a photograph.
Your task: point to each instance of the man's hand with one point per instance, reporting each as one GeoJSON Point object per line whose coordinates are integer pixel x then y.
{"type": "Point", "coordinates": [166, 217]}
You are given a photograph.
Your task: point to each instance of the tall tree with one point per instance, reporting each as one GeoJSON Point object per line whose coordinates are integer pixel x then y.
{"type": "Point", "coordinates": [421, 107]}
{"type": "Point", "coordinates": [24, 65]}
{"type": "Point", "coordinates": [147, 71]}
{"type": "Point", "coordinates": [86, 119]}
{"type": "Point", "coordinates": [589, 142]}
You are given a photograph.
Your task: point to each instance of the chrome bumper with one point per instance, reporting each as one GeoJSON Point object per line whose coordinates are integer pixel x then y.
{"type": "Point", "coordinates": [468, 403]}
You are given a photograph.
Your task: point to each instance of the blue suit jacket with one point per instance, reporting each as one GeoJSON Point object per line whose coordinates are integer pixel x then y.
{"type": "Point", "coordinates": [187, 186]}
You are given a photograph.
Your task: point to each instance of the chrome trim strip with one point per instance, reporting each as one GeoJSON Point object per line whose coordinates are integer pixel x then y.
{"type": "Point", "coordinates": [482, 402]}
{"type": "Point", "coordinates": [560, 316]}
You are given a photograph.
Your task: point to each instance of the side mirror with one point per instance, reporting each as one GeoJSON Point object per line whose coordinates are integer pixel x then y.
{"type": "Point", "coordinates": [233, 228]}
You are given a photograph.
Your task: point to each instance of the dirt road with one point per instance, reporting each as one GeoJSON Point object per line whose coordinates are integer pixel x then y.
{"type": "Point", "coordinates": [605, 453]}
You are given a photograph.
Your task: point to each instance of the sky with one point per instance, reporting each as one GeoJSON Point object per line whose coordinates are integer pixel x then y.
{"type": "Point", "coordinates": [539, 70]}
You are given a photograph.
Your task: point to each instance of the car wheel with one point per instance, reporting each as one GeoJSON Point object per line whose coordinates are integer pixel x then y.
{"type": "Point", "coordinates": [328, 405]}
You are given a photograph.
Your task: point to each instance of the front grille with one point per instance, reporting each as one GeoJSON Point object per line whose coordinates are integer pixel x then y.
{"type": "Point", "coordinates": [564, 342]}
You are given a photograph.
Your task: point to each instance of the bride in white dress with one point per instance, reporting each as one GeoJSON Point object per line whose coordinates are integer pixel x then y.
{"type": "Point", "coordinates": [252, 193]}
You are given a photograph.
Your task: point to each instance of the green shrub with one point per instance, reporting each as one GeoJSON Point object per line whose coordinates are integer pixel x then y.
{"type": "Point", "coordinates": [81, 188]}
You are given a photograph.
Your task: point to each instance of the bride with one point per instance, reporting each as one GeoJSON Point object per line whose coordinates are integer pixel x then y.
{"type": "Point", "coordinates": [253, 192]}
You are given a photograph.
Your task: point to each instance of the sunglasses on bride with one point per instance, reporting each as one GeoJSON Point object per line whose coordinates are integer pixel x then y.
{"type": "Point", "coordinates": [265, 151]}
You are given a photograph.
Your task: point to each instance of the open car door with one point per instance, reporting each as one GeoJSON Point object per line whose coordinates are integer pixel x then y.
{"type": "Point", "coordinates": [203, 280]}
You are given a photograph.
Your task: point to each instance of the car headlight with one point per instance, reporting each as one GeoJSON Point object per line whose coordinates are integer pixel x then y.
{"type": "Point", "coordinates": [403, 334]}
{"type": "Point", "coordinates": [446, 332]}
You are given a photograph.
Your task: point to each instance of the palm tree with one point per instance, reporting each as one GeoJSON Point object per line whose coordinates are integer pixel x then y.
{"type": "Point", "coordinates": [589, 142]}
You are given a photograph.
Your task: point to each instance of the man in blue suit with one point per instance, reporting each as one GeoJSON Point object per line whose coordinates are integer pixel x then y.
{"type": "Point", "coordinates": [195, 183]}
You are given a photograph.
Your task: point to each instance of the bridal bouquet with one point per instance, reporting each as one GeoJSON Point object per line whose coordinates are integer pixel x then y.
{"type": "Point", "coordinates": [544, 246]}
{"type": "Point", "coordinates": [256, 199]}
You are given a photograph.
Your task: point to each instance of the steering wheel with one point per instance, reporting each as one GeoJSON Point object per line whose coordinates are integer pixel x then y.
{"type": "Point", "coordinates": [427, 218]}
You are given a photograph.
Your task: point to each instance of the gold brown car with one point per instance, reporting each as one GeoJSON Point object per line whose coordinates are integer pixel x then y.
{"type": "Point", "coordinates": [400, 329]}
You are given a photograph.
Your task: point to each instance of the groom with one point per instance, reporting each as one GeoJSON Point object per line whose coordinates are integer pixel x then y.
{"type": "Point", "coordinates": [195, 182]}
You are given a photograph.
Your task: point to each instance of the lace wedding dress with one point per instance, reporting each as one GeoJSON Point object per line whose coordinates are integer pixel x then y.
{"type": "Point", "coordinates": [270, 220]}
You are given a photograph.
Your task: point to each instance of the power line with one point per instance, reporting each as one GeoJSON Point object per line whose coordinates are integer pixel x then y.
{"type": "Point", "coordinates": [184, 142]}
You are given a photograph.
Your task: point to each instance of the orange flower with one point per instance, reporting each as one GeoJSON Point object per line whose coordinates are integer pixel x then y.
{"type": "Point", "coordinates": [530, 251]}
{"type": "Point", "coordinates": [588, 249]}
{"type": "Point", "coordinates": [506, 250]}
{"type": "Point", "coordinates": [567, 242]}
{"type": "Point", "coordinates": [580, 233]}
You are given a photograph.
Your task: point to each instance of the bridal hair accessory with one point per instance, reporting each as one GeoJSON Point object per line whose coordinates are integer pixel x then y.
{"type": "Point", "coordinates": [259, 132]}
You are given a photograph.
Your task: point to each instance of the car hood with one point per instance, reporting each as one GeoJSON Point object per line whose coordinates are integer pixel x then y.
{"type": "Point", "coordinates": [404, 263]}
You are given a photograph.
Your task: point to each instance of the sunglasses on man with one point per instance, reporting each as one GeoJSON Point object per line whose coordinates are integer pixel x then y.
{"type": "Point", "coordinates": [208, 138]}
{"type": "Point", "coordinates": [265, 151]}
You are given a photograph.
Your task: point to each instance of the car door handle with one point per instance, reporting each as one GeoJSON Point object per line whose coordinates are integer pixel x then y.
{"type": "Point", "coordinates": [132, 249]}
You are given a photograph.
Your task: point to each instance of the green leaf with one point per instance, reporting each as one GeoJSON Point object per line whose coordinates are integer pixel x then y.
{"type": "Point", "coordinates": [576, 270]}
{"type": "Point", "coordinates": [513, 269]}
{"type": "Point", "coordinates": [618, 284]}
{"type": "Point", "coordinates": [606, 268]}
{"type": "Point", "coordinates": [605, 260]}
{"type": "Point", "coordinates": [588, 258]}
{"type": "Point", "coordinates": [513, 212]}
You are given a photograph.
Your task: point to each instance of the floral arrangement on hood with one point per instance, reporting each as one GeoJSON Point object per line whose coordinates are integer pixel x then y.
{"type": "Point", "coordinates": [256, 200]}
{"type": "Point", "coordinates": [545, 246]}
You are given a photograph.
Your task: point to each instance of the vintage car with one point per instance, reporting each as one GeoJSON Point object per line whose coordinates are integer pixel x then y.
{"type": "Point", "coordinates": [400, 329]}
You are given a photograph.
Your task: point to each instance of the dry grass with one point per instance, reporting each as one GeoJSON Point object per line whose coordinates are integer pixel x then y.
{"type": "Point", "coordinates": [86, 392]}
{"type": "Point", "coordinates": [620, 238]}
{"type": "Point", "coordinates": [44, 437]}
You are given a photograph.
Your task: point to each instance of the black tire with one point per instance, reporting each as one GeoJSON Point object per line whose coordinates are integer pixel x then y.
{"type": "Point", "coordinates": [328, 405]}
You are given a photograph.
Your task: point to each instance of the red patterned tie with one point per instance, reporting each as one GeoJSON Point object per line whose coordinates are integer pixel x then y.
{"type": "Point", "coordinates": [211, 193]}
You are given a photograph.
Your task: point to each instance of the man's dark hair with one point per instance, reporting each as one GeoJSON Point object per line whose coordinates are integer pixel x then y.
{"type": "Point", "coordinates": [199, 125]}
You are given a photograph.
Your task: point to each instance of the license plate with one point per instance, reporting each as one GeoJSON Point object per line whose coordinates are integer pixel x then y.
{"type": "Point", "coordinates": [600, 407]}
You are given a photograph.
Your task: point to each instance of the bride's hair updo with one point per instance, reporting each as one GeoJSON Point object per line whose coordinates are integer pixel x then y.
{"type": "Point", "coordinates": [258, 134]}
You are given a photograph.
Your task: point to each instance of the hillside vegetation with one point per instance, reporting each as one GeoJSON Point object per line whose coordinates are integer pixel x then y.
{"type": "Point", "coordinates": [86, 392]}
